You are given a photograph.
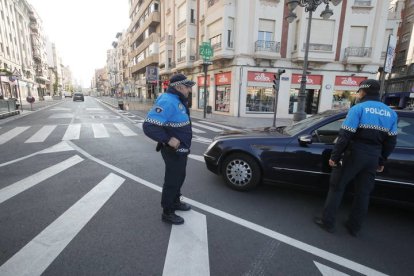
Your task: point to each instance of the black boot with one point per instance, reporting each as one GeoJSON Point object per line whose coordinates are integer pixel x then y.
{"type": "Point", "coordinates": [182, 206]}
{"type": "Point", "coordinates": [170, 217]}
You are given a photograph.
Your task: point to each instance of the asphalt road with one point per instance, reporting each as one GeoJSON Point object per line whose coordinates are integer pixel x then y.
{"type": "Point", "coordinates": [80, 195]}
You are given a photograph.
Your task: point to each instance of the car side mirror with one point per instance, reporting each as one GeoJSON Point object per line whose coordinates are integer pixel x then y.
{"type": "Point", "coordinates": [305, 140]}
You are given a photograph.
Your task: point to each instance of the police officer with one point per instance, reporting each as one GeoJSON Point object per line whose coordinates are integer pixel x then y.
{"type": "Point", "coordinates": [168, 123]}
{"type": "Point", "coordinates": [366, 139]}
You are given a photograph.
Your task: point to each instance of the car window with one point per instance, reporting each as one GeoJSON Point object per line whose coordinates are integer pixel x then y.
{"type": "Point", "coordinates": [327, 134]}
{"type": "Point", "coordinates": [405, 137]}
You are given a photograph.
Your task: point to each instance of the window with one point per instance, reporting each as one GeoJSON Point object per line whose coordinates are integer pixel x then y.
{"type": "Point", "coordinates": [182, 15]}
{"type": "Point", "coordinates": [405, 137]}
{"type": "Point", "coordinates": [357, 39]}
{"type": "Point", "coordinates": [230, 32]}
{"type": "Point", "coordinates": [215, 42]}
{"type": "Point", "coordinates": [328, 133]}
{"type": "Point", "coordinates": [260, 99]}
{"type": "Point", "coordinates": [181, 49]}
{"type": "Point", "coordinates": [192, 19]}
{"type": "Point", "coordinates": [406, 37]}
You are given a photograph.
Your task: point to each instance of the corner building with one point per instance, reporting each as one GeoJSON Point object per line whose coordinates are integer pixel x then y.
{"type": "Point", "coordinates": [252, 40]}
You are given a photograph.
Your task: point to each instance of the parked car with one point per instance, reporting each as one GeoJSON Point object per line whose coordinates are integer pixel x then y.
{"type": "Point", "coordinates": [67, 94]}
{"type": "Point", "coordinates": [78, 97]}
{"type": "Point", "coordinates": [299, 154]}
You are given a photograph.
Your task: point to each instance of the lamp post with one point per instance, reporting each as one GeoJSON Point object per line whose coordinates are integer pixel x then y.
{"type": "Point", "coordinates": [310, 6]}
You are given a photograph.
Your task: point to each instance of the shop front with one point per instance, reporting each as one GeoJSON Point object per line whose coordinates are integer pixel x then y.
{"type": "Point", "coordinates": [312, 96]}
{"type": "Point", "coordinates": [345, 90]}
{"type": "Point", "coordinates": [260, 97]}
{"type": "Point", "coordinates": [200, 91]}
{"type": "Point", "coordinates": [223, 92]}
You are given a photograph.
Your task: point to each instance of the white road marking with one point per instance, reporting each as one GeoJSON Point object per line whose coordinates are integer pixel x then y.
{"type": "Point", "coordinates": [72, 132]}
{"type": "Point", "coordinates": [207, 127]}
{"type": "Point", "coordinates": [41, 135]}
{"type": "Point", "coordinates": [28, 182]}
{"type": "Point", "coordinates": [5, 137]}
{"type": "Point", "coordinates": [250, 225]}
{"type": "Point", "coordinates": [60, 109]}
{"type": "Point", "coordinates": [124, 129]}
{"type": "Point", "coordinates": [62, 146]}
{"type": "Point", "coordinates": [196, 130]}
{"type": "Point", "coordinates": [187, 252]}
{"type": "Point", "coordinates": [39, 253]}
{"type": "Point", "coordinates": [202, 140]}
{"type": "Point", "coordinates": [62, 116]}
{"type": "Point", "coordinates": [140, 125]}
{"type": "Point", "coordinates": [99, 131]}
{"type": "Point", "coordinates": [94, 109]}
{"type": "Point", "coordinates": [328, 271]}
{"type": "Point", "coordinates": [196, 157]}
{"type": "Point", "coordinates": [218, 125]}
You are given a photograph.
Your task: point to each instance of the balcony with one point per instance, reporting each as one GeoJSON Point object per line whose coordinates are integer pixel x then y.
{"type": "Point", "coordinates": [153, 19]}
{"type": "Point", "coordinates": [319, 47]}
{"type": "Point", "coordinates": [363, 3]}
{"type": "Point", "coordinates": [181, 24]}
{"type": "Point", "coordinates": [265, 49]}
{"type": "Point", "coordinates": [34, 26]}
{"type": "Point", "coordinates": [181, 59]}
{"type": "Point", "coordinates": [147, 61]}
{"type": "Point", "coordinates": [210, 3]}
{"type": "Point", "coordinates": [153, 38]}
{"type": "Point", "coordinates": [357, 55]}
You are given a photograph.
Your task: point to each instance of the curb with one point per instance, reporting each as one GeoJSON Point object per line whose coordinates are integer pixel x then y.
{"type": "Point", "coordinates": [8, 114]}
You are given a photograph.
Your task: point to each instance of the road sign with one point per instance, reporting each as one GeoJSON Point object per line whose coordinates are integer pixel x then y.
{"type": "Point", "coordinates": [206, 51]}
{"type": "Point", "coordinates": [16, 73]}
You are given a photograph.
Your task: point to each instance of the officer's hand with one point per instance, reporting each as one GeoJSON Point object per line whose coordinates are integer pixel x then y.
{"type": "Point", "coordinates": [380, 169]}
{"type": "Point", "coordinates": [332, 163]}
{"type": "Point", "coordinates": [174, 143]}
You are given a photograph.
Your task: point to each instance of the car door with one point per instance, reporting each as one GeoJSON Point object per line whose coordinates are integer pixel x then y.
{"type": "Point", "coordinates": [396, 182]}
{"type": "Point", "coordinates": [306, 163]}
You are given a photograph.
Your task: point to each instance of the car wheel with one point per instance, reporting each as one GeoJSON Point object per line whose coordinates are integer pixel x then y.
{"type": "Point", "coordinates": [241, 172]}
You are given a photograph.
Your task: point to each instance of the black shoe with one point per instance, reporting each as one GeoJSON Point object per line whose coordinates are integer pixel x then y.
{"type": "Point", "coordinates": [318, 221]}
{"type": "Point", "coordinates": [172, 218]}
{"type": "Point", "coordinates": [350, 230]}
{"type": "Point", "coordinates": [182, 206]}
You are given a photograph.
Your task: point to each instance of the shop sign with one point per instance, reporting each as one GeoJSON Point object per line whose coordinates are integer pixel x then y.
{"type": "Point", "coordinates": [200, 80]}
{"type": "Point", "coordinates": [152, 73]}
{"type": "Point", "coordinates": [310, 79]}
{"type": "Point", "coordinates": [260, 76]}
{"type": "Point", "coordinates": [348, 81]}
{"type": "Point", "coordinates": [223, 78]}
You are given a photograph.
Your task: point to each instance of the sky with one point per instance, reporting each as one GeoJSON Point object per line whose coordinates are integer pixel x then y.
{"type": "Point", "coordinates": [82, 30]}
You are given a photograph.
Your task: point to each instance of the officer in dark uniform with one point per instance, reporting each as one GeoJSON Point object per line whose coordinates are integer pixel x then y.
{"type": "Point", "coordinates": [366, 139]}
{"type": "Point", "coordinates": [168, 123]}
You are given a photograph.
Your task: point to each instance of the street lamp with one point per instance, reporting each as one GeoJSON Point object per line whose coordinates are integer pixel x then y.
{"type": "Point", "coordinates": [310, 6]}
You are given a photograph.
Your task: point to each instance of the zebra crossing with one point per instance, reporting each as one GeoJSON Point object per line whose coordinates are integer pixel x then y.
{"type": "Point", "coordinates": [76, 131]}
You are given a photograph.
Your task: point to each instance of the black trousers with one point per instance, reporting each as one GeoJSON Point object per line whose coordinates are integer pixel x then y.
{"type": "Point", "coordinates": [359, 167]}
{"type": "Point", "coordinates": [175, 171]}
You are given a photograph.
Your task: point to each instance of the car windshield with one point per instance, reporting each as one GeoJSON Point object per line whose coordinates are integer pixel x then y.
{"type": "Point", "coordinates": [300, 126]}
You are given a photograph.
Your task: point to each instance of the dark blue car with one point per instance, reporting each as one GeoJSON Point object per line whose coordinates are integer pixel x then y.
{"type": "Point", "coordinates": [299, 154]}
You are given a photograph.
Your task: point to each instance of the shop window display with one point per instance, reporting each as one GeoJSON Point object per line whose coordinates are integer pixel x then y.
{"type": "Point", "coordinates": [223, 98]}
{"type": "Point", "coordinates": [343, 99]}
{"type": "Point", "coordinates": [311, 101]}
{"type": "Point", "coordinates": [260, 99]}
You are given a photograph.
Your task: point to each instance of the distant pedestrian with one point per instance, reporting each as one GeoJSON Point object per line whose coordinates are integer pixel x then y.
{"type": "Point", "coordinates": [366, 139]}
{"type": "Point", "coordinates": [168, 123]}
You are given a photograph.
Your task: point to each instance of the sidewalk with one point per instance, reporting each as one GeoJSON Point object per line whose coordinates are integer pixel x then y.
{"type": "Point", "coordinates": [141, 109]}
{"type": "Point", "coordinates": [26, 109]}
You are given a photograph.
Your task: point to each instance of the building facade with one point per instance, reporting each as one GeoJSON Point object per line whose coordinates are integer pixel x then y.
{"type": "Point", "coordinates": [400, 83]}
{"type": "Point", "coordinates": [251, 41]}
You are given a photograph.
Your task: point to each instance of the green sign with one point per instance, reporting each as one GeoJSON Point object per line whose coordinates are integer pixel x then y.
{"type": "Point", "coordinates": [206, 52]}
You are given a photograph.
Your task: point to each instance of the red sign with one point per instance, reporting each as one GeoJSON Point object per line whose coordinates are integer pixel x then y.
{"type": "Point", "coordinates": [310, 79]}
{"type": "Point", "coordinates": [223, 78]}
{"type": "Point", "coordinates": [200, 80]}
{"type": "Point", "coordinates": [165, 84]}
{"type": "Point", "coordinates": [260, 76]}
{"type": "Point", "coordinates": [348, 81]}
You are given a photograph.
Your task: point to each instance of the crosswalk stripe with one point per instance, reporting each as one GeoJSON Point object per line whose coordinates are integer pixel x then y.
{"type": "Point", "coordinates": [5, 137]}
{"type": "Point", "coordinates": [99, 131]}
{"type": "Point", "coordinates": [124, 129]}
{"type": "Point", "coordinates": [41, 135]}
{"type": "Point", "coordinates": [72, 132]}
{"type": "Point", "coordinates": [196, 130]}
{"type": "Point", "coordinates": [28, 182]}
{"type": "Point", "coordinates": [39, 253]}
{"type": "Point", "coordinates": [187, 252]}
{"type": "Point", "coordinates": [196, 157]}
{"type": "Point", "coordinates": [207, 127]}
{"type": "Point", "coordinates": [217, 125]}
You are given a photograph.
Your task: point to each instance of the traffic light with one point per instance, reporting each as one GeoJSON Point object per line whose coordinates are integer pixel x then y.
{"type": "Point", "coordinates": [275, 81]}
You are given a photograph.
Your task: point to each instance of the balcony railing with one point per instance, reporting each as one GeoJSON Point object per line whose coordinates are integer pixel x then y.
{"type": "Point", "coordinates": [181, 24]}
{"type": "Point", "coordinates": [319, 47]}
{"type": "Point", "coordinates": [181, 59]}
{"type": "Point", "coordinates": [365, 3]}
{"type": "Point", "coordinates": [358, 52]}
{"type": "Point", "coordinates": [267, 46]}
{"type": "Point", "coordinates": [216, 46]}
